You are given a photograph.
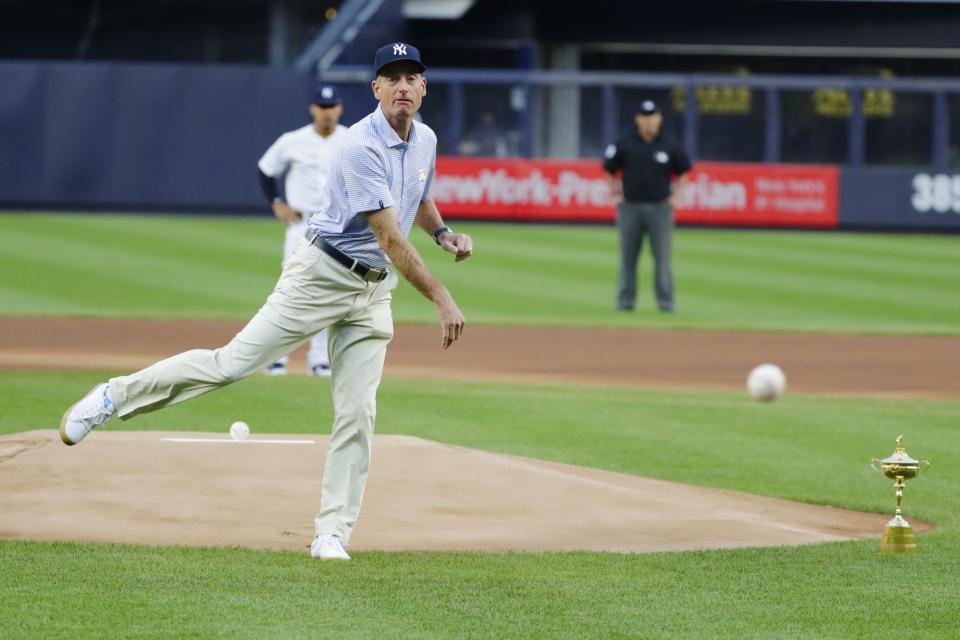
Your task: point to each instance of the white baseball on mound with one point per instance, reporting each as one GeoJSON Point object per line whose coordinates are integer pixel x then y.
{"type": "Point", "coordinates": [239, 430]}
{"type": "Point", "coordinates": [766, 382]}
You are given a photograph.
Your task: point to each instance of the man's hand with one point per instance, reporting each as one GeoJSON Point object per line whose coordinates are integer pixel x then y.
{"type": "Point", "coordinates": [451, 320]}
{"type": "Point", "coordinates": [616, 189]}
{"type": "Point", "coordinates": [459, 244]}
{"type": "Point", "coordinates": [677, 194]}
{"type": "Point", "coordinates": [283, 211]}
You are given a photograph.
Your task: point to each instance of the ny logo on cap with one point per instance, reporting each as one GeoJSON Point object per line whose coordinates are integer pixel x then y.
{"type": "Point", "coordinates": [399, 49]}
{"type": "Point", "coordinates": [326, 92]}
{"type": "Point", "coordinates": [648, 105]}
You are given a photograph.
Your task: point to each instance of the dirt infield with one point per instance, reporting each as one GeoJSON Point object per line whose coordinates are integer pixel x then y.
{"type": "Point", "coordinates": [902, 366]}
{"type": "Point", "coordinates": [423, 495]}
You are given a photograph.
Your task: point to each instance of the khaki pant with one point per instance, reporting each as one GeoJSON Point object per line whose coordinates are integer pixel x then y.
{"type": "Point", "coordinates": [317, 353]}
{"type": "Point", "coordinates": [313, 292]}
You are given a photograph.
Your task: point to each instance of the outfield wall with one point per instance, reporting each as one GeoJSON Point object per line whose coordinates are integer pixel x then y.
{"type": "Point", "coordinates": [716, 194]}
{"type": "Point", "coordinates": [135, 137]}
{"type": "Point", "coordinates": [143, 137]}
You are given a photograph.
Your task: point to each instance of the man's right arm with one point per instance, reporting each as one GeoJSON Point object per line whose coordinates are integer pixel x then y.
{"type": "Point", "coordinates": [272, 164]}
{"type": "Point", "coordinates": [408, 262]}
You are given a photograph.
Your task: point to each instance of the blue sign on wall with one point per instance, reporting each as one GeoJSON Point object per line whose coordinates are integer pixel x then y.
{"type": "Point", "coordinates": [896, 198]}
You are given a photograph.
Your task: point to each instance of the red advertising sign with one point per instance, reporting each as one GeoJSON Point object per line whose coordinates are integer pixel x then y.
{"type": "Point", "coordinates": [769, 195]}
{"type": "Point", "coordinates": [716, 193]}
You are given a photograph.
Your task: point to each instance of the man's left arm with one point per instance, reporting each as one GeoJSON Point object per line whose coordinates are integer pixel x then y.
{"type": "Point", "coordinates": [429, 219]}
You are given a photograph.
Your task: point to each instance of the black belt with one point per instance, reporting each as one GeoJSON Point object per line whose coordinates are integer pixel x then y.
{"type": "Point", "coordinates": [367, 273]}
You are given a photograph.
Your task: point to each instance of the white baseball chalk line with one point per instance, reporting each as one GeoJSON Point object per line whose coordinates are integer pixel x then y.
{"type": "Point", "coordinates": [231, 441]}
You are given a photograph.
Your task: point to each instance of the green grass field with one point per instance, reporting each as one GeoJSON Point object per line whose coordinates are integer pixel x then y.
{"type": "Point", "coordinates": [544, 275]}
{"type": "Point", "coordinates": [806, 448]}
{"type": "Point", "coordinates": [837, 590]}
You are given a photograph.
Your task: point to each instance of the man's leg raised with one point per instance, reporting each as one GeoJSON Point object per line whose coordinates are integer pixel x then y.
{"type": "Point", "coordinates": [300, 305]}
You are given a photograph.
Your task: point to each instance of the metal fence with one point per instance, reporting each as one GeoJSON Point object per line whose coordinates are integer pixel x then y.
{"type": "Point", "coordinates": [756, 118]}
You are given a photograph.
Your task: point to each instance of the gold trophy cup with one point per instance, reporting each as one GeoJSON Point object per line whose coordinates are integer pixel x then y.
{"type": "Point", "coordinates": [898, 535]}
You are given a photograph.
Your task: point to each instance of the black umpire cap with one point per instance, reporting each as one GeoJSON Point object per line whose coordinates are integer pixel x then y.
{"type": "Point", "coordinates": [325, 95]}
{"type": "Point", "coordinates": [396, 52]}
{"type": "Point", "coordinates": [648, 108]}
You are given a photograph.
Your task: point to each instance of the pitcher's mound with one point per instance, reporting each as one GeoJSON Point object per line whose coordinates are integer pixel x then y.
{"type": "Point", "coordinates": [204, 489]}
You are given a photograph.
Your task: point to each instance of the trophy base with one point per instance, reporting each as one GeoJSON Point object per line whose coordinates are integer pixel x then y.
{"type": "Point", "coordinates": [898, 538]}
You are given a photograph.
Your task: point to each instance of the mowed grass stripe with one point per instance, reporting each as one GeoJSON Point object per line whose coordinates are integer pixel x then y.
{"type": "Point", "coordinates": [43, 304]}
{"type": "Point", "coordinates": [224, 267]}
{"type": "Point", "coordinates": [817, 265]}
{"type": "Point", "coordinates": [100, 260]}
{"type": "Point", "coordinates": [208, 244]}
{"type": "Point", "coordinates": [822, 292]}
{"type": "Point", "coordinates": [144, 244]}
{"type": "Point", "coordinates": [829, 591]}
{"type": "Point", "coordinates": [94, 285]}
{"type": "Point", "coordinates": [853, 244]}
{"type": "Point", "coordinates": [840, 270]}
{"type": "Point", "coordinates": [709, 298]}
{"type": "Point", "coordinates": [94, 274]}
{"type": "Point", "coordinates": [247, 235]}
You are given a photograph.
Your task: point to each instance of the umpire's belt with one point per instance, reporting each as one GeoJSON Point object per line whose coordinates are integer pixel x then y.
{"type": "Point", "coordinates": [367, 273]}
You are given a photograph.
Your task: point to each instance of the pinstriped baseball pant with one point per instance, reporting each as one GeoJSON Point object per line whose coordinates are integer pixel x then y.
{"type": "Point", "coordinates": [313, 292]}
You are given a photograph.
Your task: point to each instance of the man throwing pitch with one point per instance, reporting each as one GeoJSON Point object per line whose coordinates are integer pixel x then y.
{"type": "Point", "coordinates": [342, 276]}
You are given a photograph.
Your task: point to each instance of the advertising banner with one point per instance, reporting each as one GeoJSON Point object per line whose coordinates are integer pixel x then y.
{"type": "Point", "coordinates": [716, 193]}
{"type": "Point", "coordinates": [765, 195]}
{"type": "Point", "coordinates": [892, 198]}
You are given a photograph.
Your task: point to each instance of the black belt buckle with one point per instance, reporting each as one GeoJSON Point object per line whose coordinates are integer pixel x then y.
{"type": "Point", "coordinates": [352, 264]}
{"type": "Point", "coordinates": [373, 275]}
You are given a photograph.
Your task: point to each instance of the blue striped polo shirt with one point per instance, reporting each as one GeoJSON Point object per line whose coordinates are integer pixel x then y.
{"type": "Point", "coordinates": [374, 169]}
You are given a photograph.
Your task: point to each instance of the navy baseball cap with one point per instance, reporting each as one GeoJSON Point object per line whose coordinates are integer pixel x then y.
{"type": "Point", "coordinates": [325, 95]}
{"type": "Point", "coordinates": [396, 52]}
{"type": "Point", "coordinates": [648, 108]}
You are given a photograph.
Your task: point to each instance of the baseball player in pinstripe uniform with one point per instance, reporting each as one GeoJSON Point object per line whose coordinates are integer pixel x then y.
{"type": "Point", "coordinates": [303, 156]}
{"type": "Point", "coordinates": [342, 276]}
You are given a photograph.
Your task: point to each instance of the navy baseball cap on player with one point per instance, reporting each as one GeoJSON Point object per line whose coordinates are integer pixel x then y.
{"type": "Point", "coordinates": [648, 108]}
{"type": "Point", "coordinates": [396, 52]}
{"type": "Point", "coordinates": [325, 95]}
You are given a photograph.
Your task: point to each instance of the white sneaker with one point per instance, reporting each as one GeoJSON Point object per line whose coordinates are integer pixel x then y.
{"type": "Point", "coordinates": [322, 370]}
{"type": "Point", "coordinates": [93, 410]}
{"type": "Point", "coordinates": [276, 369]}
{"type": "Point", "coordinates": [327, 546]}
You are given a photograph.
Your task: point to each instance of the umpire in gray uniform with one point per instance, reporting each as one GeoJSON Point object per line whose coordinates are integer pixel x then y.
{"type": "Point", "coordinates": [648, 159]}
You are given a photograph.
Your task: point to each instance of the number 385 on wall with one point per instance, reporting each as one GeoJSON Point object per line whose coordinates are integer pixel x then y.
{"type": "Point", "coordinates": [939, 193]}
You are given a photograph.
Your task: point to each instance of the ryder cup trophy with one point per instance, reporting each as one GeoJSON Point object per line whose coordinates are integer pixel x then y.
{"type": "Point", "coordinates": [898, 535]}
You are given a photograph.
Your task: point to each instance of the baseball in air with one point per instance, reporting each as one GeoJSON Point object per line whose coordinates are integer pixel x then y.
{"type": "Point", "coordinates": [766, 382]}
{"type": "Point", "coordinates": [239, 430]}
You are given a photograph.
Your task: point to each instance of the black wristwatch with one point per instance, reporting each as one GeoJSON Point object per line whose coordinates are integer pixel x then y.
{"type": "Point", "coordinates": [439, 232]}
